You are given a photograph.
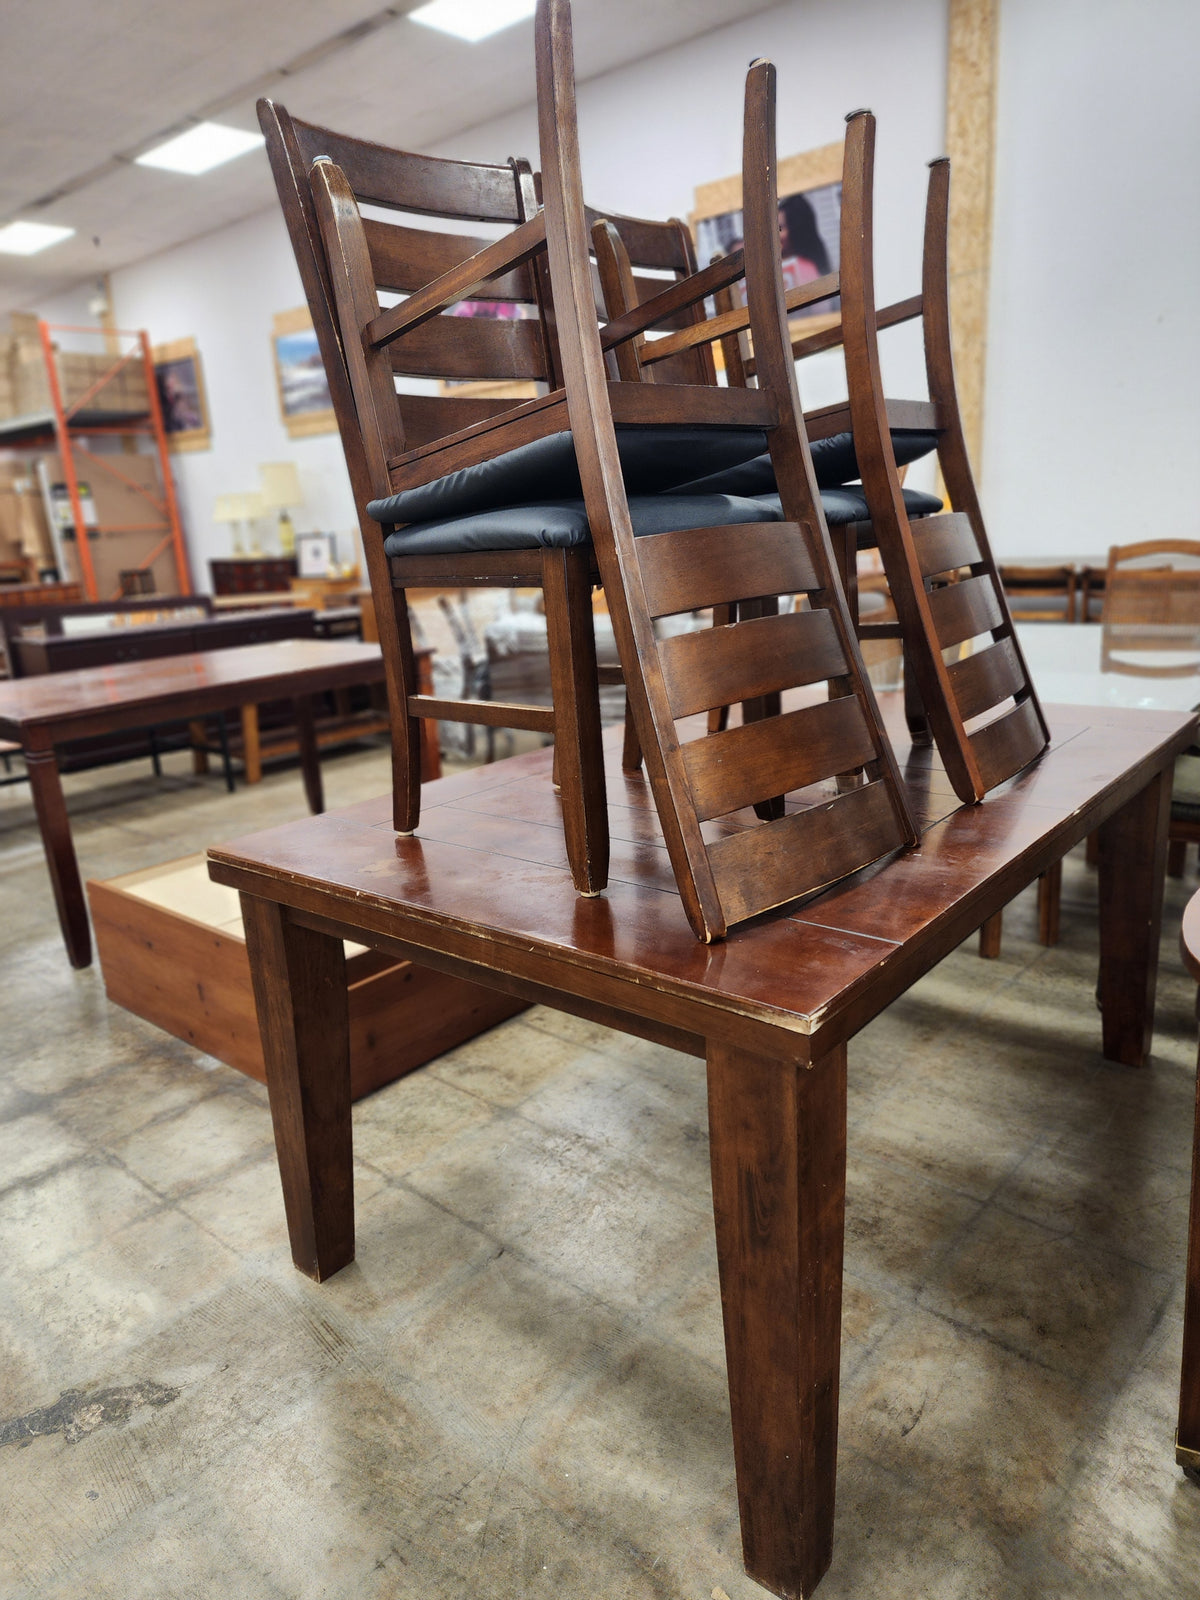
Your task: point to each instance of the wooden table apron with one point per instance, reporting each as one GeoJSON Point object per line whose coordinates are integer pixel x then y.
{"type": "Point", "coordinates": [41, 713]}
{"type": "Point", "coordinates": [776, 1063]}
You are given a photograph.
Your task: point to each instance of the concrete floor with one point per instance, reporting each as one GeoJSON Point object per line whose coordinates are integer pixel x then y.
{"type": "Point", "coordinates": [519, 1387]}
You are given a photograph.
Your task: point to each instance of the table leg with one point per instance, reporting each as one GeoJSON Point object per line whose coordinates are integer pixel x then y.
{"type": "Point", "coordinates": [310, 755]}
{"type": "Point", "coordinates": [251, 745]}
{"type": "Point", "coordinates": [198, 735]}
{"type": "Point", "coordinates": [303, 1016]}
{"type": "Point", "coordinates": [1187, 1437]}
{"type": "Point", "coordinates": [1133, 862]}
{"type": "Point", "coordinates": [778, 1140]}
{"type": "Point", "coordinates": [51, 810]}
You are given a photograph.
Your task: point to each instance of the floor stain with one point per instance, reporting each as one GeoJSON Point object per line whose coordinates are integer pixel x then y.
{"type": "Point", "coordinates": [77, 1413]}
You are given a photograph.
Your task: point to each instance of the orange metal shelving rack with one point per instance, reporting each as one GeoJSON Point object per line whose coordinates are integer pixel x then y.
{"type": "Point", "coordinates": [75, 422]}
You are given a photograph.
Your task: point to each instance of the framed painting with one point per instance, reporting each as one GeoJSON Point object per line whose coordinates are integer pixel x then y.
{"type": "Point", "coordinates": [316, 555]}
{"type": "Point", "coordinates": [304, 399]}
{"type": "Point", "coordinates": [810, 216]}
{"type": "Point", "coordinates": [179, 378]}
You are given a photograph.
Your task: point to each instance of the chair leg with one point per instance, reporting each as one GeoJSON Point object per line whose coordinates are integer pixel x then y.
{"type": "Point", "coordinates": [722, 617]}
{"type": "Point", "coordinates": [631, 747]}
{"type": "Point", "coordinates": [406, 730]}
{"type": "Point", "coordinates": [575, 683]}
{"type": "Point", "coordinates": [914, 707]}
{"type": "Point", "coordinates": [1176, 858]}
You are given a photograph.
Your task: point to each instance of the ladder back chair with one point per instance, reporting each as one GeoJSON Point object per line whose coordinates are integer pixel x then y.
{"type": "Point", "coordinates": [485, 490]}
{"type": "Point", "coordinates": [942, 577]}
{"type": "Point", "coordinates": [728, 867]}
{"type": "Point", "coordinates": [982, 707]}
{"type": "Point", "coordinates": [401, 259]}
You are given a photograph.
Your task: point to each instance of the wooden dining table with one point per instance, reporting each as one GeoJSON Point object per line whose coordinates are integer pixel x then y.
{"type": "Point", "coordinates": [41, 713]}
{"type": "Point", "coordinates": [483, 891]}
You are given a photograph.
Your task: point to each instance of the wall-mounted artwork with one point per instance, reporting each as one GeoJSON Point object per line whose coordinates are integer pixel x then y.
{"type": "Point", "coordinates": [810, 217]}
{"type": "Point", "coordinates": [304, 399]}
{"type": "Point", "coordinates": [179, 378]}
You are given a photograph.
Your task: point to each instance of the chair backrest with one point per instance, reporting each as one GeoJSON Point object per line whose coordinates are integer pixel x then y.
{"type": "Point", "coordinates": [506, 340]}
{"type": "Point", "coordinates": [1152, 608]}
{"type": "Point", "coordinates": [652, 255]}
{"type": "Point", "coordinates": [1155, 582]}
{"type": "Point", "coordinates": [739, 869]}
{"type": "Point", "coordinates": [982, 706]}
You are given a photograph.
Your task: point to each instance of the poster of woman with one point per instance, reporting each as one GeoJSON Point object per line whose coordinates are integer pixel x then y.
{"type": "Point", "coordinates": [810, 218]}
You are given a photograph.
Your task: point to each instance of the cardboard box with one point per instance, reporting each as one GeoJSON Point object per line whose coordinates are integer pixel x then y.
{"type": "Point", "coordinates": [124, 526]}
{"type": "Point", "coordinates": [172, 951]}
{"type": "Point", "coordinates": [22, 514]}
{"type": "Point", "coordinates": [26, 383]}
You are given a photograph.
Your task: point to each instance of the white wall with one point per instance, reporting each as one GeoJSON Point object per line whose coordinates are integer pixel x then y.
{"type": "Point", "coordinates": [650, 134]}
{"type": "Point", "coordinates": [223, 290]}
{"type": "Point", "coordinates": [1092, 425]}
{"type": "Point", "coordinates": [1091, 416]}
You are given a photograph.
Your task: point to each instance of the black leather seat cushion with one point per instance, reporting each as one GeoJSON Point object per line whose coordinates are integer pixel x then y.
{"type": "Point", "coordinates": [834, 463]}
{"type": "Point", "coordinates": [653, 460]}
{"type": "Point", "coordinates": [848, 503]}
{"type": "Point", "coordinates": [564, 523]}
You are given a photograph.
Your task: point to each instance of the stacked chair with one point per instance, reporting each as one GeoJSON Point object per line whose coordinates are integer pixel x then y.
{"type": "Point", "coordinates": [943, 578]}
{"type": "Point", "coordinates": [607, 476]}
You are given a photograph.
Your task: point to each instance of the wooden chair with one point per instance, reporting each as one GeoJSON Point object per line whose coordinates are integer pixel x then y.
{"type": "Point", "coordinates": [941, 574]}
{"type": "Point", "coordinates": [687, 545]}
{"type": "Point", "coordinates": [396, 258]}
{"type": "Point", "coordinates": [399, 445]}
{"type": "Point", "coordinates": [1151, 605]}
{"type": "Point", "coordinates": [1041, 594]}
{"type": "Point", "coordinates": [733, 871]}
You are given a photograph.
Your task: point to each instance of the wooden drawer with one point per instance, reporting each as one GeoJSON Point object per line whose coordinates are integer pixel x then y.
{"type": "Point", "coordinates": [172, 951]}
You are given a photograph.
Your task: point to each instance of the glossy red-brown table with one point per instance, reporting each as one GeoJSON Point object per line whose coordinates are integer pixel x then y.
{"type": "Point", "coordinates": [42, 712]}
{"type": "Point", "coordinates": [1187, 1437]}
{"type": "Point", "coordinates": [483, 892]}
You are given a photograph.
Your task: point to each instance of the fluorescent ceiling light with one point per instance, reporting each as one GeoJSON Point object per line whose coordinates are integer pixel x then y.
{"type": "Point", "coordinates": [473, 19]}
{"type": "Point", "coordinates": [27, 238]}
{"type": "Point", "coordinates": [201, 148]}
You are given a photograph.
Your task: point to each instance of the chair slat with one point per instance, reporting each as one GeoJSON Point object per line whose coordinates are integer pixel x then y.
{"type": "Point", "coordinates": [648, 287]}
{"type": "Point", "coordinates": [520, 424]}
{"type": "Point", "coordinates": [985, 678]}
{"type": "Point", "coordinates": [663, 246]}
{"type": "Point", "coordinates": [962, 610]}
{"type": "Point", "coordinates": [803, 851]}
{"type": "Point", "coordinates": [411, 182]}
{"type": "Point", "coordinates": [826, 420]}
{"type": "Point", "coordinates": [470, 347]}
{"type": "Point", "coordinates": [718, 666]}
{"type": "Point", "coordinates": [406, 259]}
{"type": "Point", "coordinates": [1008, 744]}
{"type": "Point", "coordinates": [944, 542]}
{"type": "Point", "coordinates": [432, 416]}
{"type": "Point", "coordinates": [691, 405]}
{"type": "Point", "coordinates": [760, 759]}
{"type": "Point", "coordinates": [712, 566]}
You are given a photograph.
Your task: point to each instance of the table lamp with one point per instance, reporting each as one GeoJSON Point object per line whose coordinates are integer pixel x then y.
{"type": "Point", "coordinates": [236, 509]}
{"type": "Point", "coordinates": [281, 489]}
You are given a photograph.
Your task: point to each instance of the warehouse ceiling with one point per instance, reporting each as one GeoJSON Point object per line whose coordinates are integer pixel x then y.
{"type": "Point", "coordinates": [85, 88]}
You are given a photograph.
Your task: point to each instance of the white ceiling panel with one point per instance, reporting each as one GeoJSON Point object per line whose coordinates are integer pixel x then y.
{"type": "Point", "coordinates": [85, 88]}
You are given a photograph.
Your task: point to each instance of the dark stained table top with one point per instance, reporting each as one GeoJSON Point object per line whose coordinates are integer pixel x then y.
{"type": "Point", "coordinates": [485, 882]}
{"type": "Point", "coordinates": [257, 671]}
